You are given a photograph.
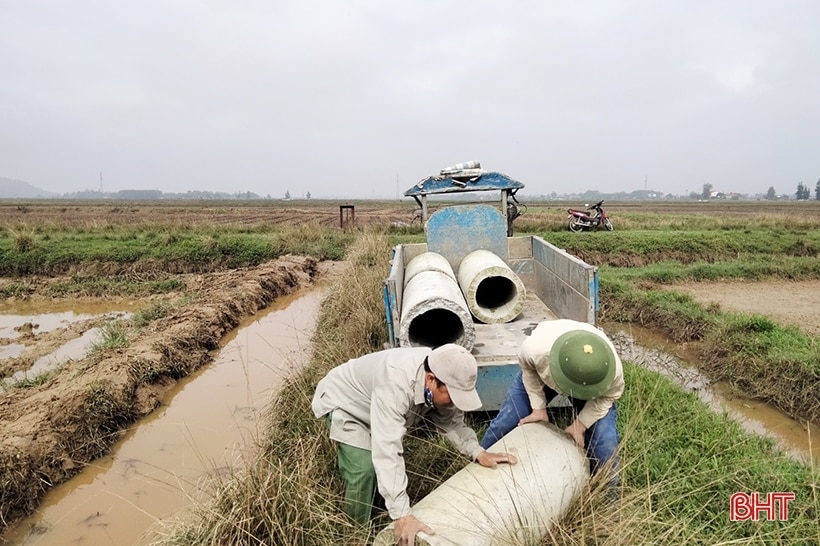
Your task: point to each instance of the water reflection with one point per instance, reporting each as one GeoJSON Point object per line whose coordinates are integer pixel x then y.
{"type": "Point", "coordinates": [12, 350]}
{"type": "Point", "coordinates": [653, 352]}
{"type": "Point", "coordinates": [44, 320]}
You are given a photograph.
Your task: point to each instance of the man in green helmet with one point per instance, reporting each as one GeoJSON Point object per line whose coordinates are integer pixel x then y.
{"type": "Point", "coordinates": [577, 360]}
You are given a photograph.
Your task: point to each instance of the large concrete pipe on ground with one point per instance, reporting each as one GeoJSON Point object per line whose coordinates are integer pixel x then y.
{"type": "Point", "coordinates": [509, 505]}
{"type": "Point", "coordinates": [494, 293]}
{"type": "Point", "coordinates": [433, 310]}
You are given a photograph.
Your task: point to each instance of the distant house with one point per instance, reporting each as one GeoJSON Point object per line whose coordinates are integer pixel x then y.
{"type": "Point", "coordinates": [726, 195]}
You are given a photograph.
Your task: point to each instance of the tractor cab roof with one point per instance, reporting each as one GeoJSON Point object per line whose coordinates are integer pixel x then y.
{"type": "Point", "coordinates": [457, 183]}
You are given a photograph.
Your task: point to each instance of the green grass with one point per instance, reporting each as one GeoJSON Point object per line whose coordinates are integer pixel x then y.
{"type": "Point", "coordinates": [114, 335]}
{"type": "Point", "coordinates": [666, 216]}
{"type": "Point", "coordinates": [15, 290]}
{"type": "Point", "coordinates": [749, 269]}
{"type": "Point", "coordinates": [776, 364]}
{"type": "Point", "coordinates": [155, 310]}
{"type": "Point", "coordinates": [34, 381]}
{"type": "Point", "coordinates": [644, 247]}
{"type": "Point", "coordinates": [181, 249]}
{"type": "Point", "coordinates": [681, 464]}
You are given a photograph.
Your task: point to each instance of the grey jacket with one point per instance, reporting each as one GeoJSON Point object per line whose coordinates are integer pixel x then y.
{"type": "Point", "coordinates": [373, 400]}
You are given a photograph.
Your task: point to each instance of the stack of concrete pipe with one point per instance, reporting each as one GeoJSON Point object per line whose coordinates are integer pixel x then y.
{"type": "Point", "coordinates": [509, 504]}
{"type": "Point", "coordinates": [437, 306]}
{"type": "Point", "coordinates": [434, 311]}
{"type": "Point", "coordinates": [494, 293]}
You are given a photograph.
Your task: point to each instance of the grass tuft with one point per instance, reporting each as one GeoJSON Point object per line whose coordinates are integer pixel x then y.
{"type": "Point", "coordinates": [114, 335]}
{"type": "Point", "coordinates": [155, 310]}
{"type": "Point", "coordinates": [23, 240]}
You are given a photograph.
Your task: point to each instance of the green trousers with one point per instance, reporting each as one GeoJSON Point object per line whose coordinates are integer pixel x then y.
{"type": "Point", "coordinates": [359, 475]}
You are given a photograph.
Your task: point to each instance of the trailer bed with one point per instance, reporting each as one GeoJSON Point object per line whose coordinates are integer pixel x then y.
{"type": "Point", "coordinates": [499, 343]}
{"type": "Point", "coordinates": [558, 285]}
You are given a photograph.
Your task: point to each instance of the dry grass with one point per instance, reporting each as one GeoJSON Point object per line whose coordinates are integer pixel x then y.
{"type": "Point", "coordinates": [289, 493]}
{"type": "Point", "coordinates": [23, 238]}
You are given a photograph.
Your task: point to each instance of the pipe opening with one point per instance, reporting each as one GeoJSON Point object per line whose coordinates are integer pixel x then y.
{"type": "Point", "coordinates": [435, 327]}
{"type": "Point", "coordinates": [495, 292]}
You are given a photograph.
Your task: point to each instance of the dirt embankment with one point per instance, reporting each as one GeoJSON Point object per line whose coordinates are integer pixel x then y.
{"type": "Point", "coordinates": [49, 431]}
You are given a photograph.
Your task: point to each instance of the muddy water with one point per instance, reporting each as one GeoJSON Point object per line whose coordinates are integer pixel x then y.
{"type": "Point", "coordinates": [206, 426]}
{"type": "Point", "coordinates": [75, 349]}
{"type": "Point", "coordinates": [800, 441]}
{"type": "Point", "coordinates": [41, 320]}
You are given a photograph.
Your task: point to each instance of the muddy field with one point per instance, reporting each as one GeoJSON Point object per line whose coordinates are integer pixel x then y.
{"type": "Point", "coordinates": [329, 213]}
{"type": "Point", "coordinates": [261, 213]}
{"type": "Point", "coordinates": [794, 303]}
{"type": "Point", "coordinates": [46, 435]}
{"type": "Point", "coordinates": [46, 431]}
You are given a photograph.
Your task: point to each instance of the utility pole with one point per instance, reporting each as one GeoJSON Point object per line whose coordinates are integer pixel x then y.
{"type": "Point", "coordinates": [101, 186]}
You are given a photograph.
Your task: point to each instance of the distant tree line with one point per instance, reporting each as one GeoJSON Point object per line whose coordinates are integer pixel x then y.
{"type": "Point", "coordinates": [803, 193]}
{"type": "Point", "coordinates": [151, 195]}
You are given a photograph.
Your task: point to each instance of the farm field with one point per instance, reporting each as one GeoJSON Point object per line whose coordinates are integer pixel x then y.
{"type": "Point", "coordinates": [326, 213]}
{"type": "Point", "coordinates": [793, 303]}
{"type": "Point", "coordinates": [53, 426]}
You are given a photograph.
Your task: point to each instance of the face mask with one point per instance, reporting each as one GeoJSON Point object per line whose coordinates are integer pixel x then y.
{"type": "Point", "coordinates": [428, 397]}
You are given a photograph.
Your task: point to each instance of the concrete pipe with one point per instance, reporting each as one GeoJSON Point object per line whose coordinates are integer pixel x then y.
{"type": "Point", "coordinates": [433, 309]}
{"type": "Point", "coordinates": [510, 504]}
{"type": "Point", "coordinates": [494, 293]}
{"type": "Point", "coordinates": [427, 261]}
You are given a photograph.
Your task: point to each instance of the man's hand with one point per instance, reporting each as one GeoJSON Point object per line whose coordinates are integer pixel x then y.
{"type": "Point", "coordinates": [491, 460]}
{"type": "Point", "coordinates": [535, 417]}
{"type": "Point", "coordinates": [406, 530]}
{"type": "Point", "coordinates": [577, 430]}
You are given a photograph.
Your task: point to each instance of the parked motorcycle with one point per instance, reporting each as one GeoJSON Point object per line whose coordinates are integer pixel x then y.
{"type": "Point", "coordinates": [579, 220]}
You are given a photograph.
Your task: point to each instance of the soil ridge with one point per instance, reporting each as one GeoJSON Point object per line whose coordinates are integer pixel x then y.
{"type": "Point", "coordinates": [49, 432]}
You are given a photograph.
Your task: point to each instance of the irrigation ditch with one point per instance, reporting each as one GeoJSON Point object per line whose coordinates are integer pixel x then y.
{"type": "Point", "coordinates": [161, 462]}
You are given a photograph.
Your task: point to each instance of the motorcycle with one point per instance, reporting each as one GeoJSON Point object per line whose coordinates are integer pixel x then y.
{"type": "Point", "coordinates": [579, 220]}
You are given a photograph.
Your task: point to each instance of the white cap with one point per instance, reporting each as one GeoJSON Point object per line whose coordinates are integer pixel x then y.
{"type": "Point", "coordinates": [454, 366]}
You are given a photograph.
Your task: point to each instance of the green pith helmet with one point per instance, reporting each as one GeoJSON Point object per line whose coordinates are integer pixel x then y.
{"type": "Point", "coordinates": [582, 364]}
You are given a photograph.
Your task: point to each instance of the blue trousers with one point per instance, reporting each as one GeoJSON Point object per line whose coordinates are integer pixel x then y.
{"type": "Point", "coordinates": [601, 439]}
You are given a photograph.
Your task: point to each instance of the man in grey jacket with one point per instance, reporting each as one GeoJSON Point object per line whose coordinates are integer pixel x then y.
{"type": "Point", "coordinates": [372, 400]}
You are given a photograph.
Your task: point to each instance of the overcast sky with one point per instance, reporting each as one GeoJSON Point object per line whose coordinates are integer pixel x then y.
{"type": "Point", "coordinates": [356, 98]}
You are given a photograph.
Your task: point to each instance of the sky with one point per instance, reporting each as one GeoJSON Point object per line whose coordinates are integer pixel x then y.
{"type": "Point", "coordinates": [364, 98]}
